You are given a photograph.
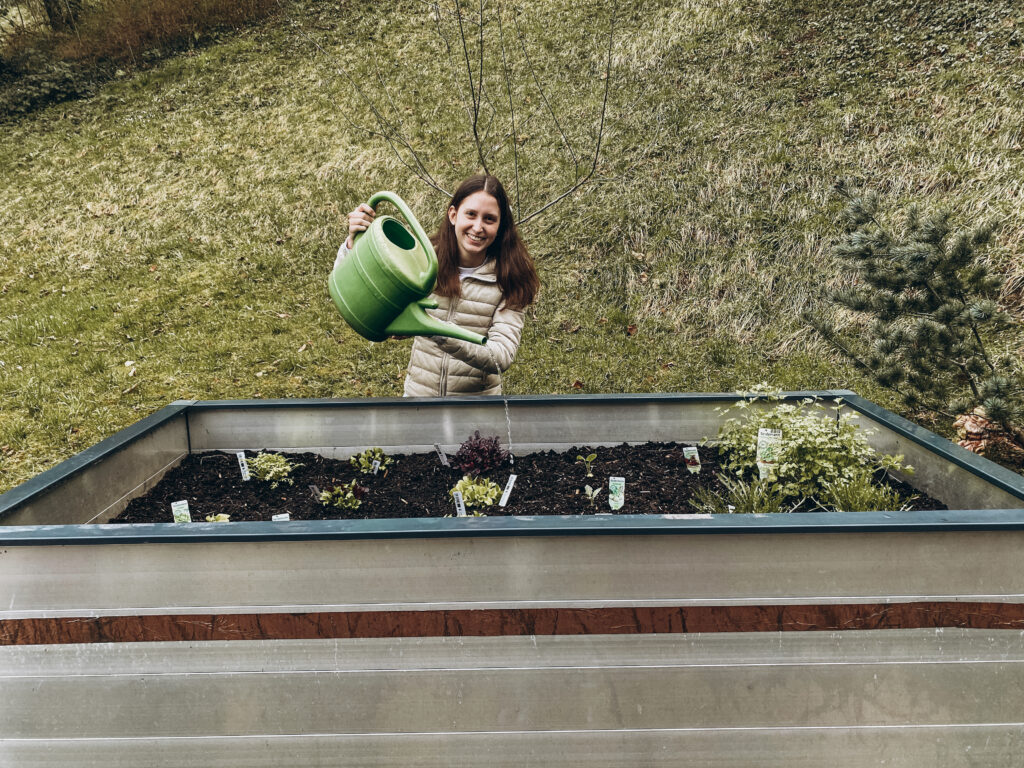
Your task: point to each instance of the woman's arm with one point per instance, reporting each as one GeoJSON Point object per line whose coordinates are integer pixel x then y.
{"type": "Point", "coordinates": [502, 340]}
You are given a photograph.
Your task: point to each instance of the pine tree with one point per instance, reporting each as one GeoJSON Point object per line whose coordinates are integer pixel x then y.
{"type": "Point", "coordinates": [933, 319]}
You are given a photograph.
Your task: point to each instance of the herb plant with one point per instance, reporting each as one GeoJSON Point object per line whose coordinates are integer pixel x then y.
{"type": "Point", "coordinates": [363, 462]}
{"type": "Point", "coordinates": [818, 447]}
{"type": "Point", "coordinates": [477, 491]}
{"type": "Point", "coordinates": [592, 495]}
{"type": "Point", "coordinates": [272, 468]}
{"type": "Point", "coordinates": [347, 496]}
{"type": "Point", "coordinates": [478, 455]}
{"type": "Point", "coordinates": [588, 462]}
{"type": "Point", "coordinates": [861, 494]}
{"type": "Point", "coordinates": [757, 497]}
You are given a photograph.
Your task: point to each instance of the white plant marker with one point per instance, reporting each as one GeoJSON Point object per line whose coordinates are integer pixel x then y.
{"type": "Point", "coordinates": [282, 518]}
{"type": "Point", "coordinates": [441, 455]}
{"type": "Point", "coordinates": [508, 490]}
{"type": "Point", "coordinates": [692, 459]}
{"type": "Point", "coordinates": [179, 511]}
{"type": "Point", "coordinates": [460, 505]}
{"type": "Point", "coordinates": [243, 464]}
{"type": "Point", "coordinates": [375, 466]}
{"type": "Point", "coordinates": [616, 492]}
{"type": "Point", "coordinates": [769, 446]}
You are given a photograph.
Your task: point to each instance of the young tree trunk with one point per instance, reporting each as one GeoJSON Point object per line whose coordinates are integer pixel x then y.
{"type": "Point", "coordinates": [62, 14]}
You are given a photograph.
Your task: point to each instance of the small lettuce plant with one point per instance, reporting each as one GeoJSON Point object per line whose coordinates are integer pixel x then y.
{"type": "Point", "coordinates": [347, 496]}
{"type": "Point", "coordinates": [272, 468]}
{"type": "Point", "coordinates": [477, 491]}
{"type": "Point", "coordinates": [363, 462]}
{"type": "Point", "coordinates": [819, 447]}
{"type": "Point", "coordinates": [479, 454]}
{"type": "Point", "coordinates": [592, 494]}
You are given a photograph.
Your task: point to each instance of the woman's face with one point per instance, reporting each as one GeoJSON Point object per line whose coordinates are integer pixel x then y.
{"type": "Point", "coordinates": [476, 224]}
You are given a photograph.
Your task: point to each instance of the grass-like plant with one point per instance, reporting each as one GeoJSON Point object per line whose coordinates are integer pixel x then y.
{"type": "Point", "coordinates": [272, 468]}
{"type": "Point", "coordinates": [760, 497]}
{"type": "Point", "coordinates": [477, 491]}
{"type": "Point", "coordinates": [861, 493]}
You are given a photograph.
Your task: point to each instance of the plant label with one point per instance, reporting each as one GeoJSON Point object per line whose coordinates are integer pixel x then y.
{"type": "Point", "coordinates": [375, 466]}
{"type": "Point", "coordinates": [616, 492]}
{"type": "Point", "coordinates": [243, 464]}
{"type": "Point", "coordinates": [460, 505]}
{"type": "Point", "coordinates": [508, 490]}
{"type": "Point", "coordinates": [284, 517]}
{"type": "Point", "coordinates": [441, 455]}
{"type": "Point", "coordinates": [315, 490]}
{"type": "Point", "coordinates": [179, 510]}
{"type": "Point", "coordinates": [769, 445]}
{"type": "Point", "coordinates": [692, 459]}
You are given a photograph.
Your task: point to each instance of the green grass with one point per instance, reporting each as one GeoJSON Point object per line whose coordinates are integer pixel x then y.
{"type": "Point", "coordinates": [185, 218]}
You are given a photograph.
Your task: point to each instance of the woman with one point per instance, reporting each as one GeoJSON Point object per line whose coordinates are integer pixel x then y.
{"type": "Point", "coordinates": [485, 281]}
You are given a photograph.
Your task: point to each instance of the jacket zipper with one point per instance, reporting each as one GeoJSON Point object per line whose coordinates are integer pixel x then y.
{"type": "Point", "coordinates": [444, 358]}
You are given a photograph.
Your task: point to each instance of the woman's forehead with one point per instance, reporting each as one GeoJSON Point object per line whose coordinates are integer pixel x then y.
{"type": "Point", "coordinates": [481, 201]}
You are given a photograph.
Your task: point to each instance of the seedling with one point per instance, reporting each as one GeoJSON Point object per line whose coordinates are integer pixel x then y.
{"type": "Point", "coordinates": [272, 468]}
{"type": "Point", "coordinates": [592, 495]}
{"type": "Point", "coordinates": [363, 462]}
{"type": "Point", "coordinates": [479, 454]}
{"type": "Point", "coordinates": [221, 518]}
{"type": "Point", "coordinates": [347, 496]}
{"type": "Point", "coordinates": [477, 491]}
{"type": "Point", "coordinates": [588, 462]}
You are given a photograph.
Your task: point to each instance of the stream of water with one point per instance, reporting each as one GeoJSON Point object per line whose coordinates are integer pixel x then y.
{"type": "Point", "coordinates": [504, 399]}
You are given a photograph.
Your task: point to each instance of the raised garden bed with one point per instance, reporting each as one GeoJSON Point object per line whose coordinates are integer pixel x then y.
{"type": "Point", "coordinates": [657, 482]}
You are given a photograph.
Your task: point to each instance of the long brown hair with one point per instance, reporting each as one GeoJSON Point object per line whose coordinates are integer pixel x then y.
{"type": "Point", "coordinates": [517, 277]}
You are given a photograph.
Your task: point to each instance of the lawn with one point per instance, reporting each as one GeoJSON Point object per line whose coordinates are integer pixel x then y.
{"type": "Point", "coordinates": [170, 237]}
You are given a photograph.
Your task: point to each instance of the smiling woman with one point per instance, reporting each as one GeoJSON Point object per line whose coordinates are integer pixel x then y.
{"type": "Point", "coordinates": [485, 279]}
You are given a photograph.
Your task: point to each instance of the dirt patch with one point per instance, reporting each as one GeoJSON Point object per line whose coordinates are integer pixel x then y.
{"type": "Point", "coordinates": [548, 483]}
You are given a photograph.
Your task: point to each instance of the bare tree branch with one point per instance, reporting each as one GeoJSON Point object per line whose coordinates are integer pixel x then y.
{"type": "Point", "coordinates": [472, 87]}
{"type": "Point", "coordinates": [511, 110]}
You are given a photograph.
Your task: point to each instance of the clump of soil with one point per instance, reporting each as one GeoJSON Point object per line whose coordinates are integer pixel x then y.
{"type": "Point", "coordinates": [548, 483]}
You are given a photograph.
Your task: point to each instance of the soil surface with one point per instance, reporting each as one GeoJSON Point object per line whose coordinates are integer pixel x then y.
{"type": "Point", "coordinates": [548, 483]}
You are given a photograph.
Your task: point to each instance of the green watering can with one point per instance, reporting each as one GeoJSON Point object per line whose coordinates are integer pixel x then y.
{"type": "Point", "coordinates": [381, 287]}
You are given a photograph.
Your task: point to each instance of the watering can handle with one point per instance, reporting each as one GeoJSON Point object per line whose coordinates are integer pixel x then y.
{"type": "Point", "coordinates": [430, 275]}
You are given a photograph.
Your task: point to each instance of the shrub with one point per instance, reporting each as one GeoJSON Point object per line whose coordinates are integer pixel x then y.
{"type": "Point", "coordinates": [363, 462]}
{"type": "Point", "coordinates": [759, 497]}
{"type": "Point", "coordinates": [818, 448]}
{"type": "Point", "coordinates": [347, 496]}
{"type": "Point", "coordinates": [272, 468]}
{"type": "Point", "coordinates": [477, 491]}
{"type": "Point", "coordinates": [479, 454]}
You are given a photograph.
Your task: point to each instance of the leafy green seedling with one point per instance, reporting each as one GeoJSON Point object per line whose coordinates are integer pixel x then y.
{"type": "Point", "coordinates": [363, 462]}
{"type": "Point", "coordinates": [588, 462]}
{"type": "Point", "coordinates": [221, 518]}
{"type": "Point", "coordinates": [347, 496]}
{"type": "Point", "coordinates": [477, 491]}
{"type": "Point", "coordinates": [592, 495]}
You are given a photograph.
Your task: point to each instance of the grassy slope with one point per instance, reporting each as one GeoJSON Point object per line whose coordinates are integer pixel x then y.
{"type": "Point", "coordinates": [186, 218]}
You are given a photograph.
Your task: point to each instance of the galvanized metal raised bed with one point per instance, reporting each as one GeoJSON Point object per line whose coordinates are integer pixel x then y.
{"type": "Point", "coordinates": [848, 639]}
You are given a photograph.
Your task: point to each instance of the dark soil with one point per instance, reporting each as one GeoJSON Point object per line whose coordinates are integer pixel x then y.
{"type": "Point", "coordinates": [548, 483]}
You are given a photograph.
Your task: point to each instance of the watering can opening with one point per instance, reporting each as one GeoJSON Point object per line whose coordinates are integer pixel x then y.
{"type": "Point", "coordinates": [399, 235]}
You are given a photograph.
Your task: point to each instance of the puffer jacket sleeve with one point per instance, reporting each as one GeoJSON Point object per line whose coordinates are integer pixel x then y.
{"type": "Point", "coordinates": [502, 340]}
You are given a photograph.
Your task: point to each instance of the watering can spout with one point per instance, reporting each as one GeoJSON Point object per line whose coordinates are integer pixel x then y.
{"type": "Point", "coordinates": [413, 321]}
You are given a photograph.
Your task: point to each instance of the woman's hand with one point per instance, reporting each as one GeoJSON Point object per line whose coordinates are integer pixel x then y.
{"type": "Point", "coordinates": [358, 221]}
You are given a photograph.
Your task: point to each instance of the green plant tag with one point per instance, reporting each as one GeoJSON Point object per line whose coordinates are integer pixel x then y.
{"type": "Point", "coordinates": [179, 511]}
{"type": "Point", "coordinates": [769, 445]}
{"type": "Point", "coordinates": [460, 505]}
{"type": "Point", "coordinates": [508, 490]}
{"type": "Point", "coordinates": [692, 459]}
{"type": "Point", "coordinates": [282, 518]}
{"type": "Point", "coordinates": [243, 464]}
{"type": "Point", "coordinates": [616, 492]}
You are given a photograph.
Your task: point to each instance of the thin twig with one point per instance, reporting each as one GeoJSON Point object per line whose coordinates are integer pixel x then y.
{"type": "Point", "coordinates": [600, 130]}
{"type": "Point", "coordinates": [543, 96]}
{"type": "Point", "coordinates": [472, 86]}
{"type": "Point", "coordinates": [511, 110]}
